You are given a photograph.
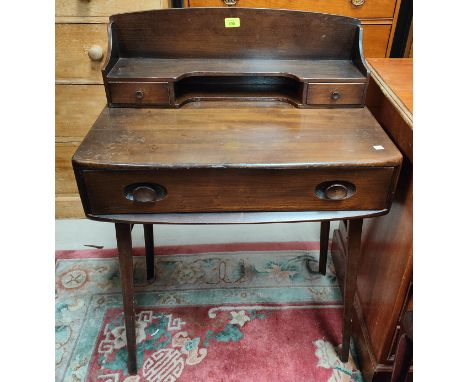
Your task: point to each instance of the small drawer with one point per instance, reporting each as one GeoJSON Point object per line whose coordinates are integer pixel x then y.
{"type": "Point", "coordinates": [335, 94]}
{"type": "Point", "coordinates": [139, 93]}
{"type": "Point", "coordinates": [222, 190]}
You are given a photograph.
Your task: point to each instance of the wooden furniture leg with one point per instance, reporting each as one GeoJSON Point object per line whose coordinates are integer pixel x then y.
{"type": "Point", "coordinates": [149, 250]}
{"type": "Point", "coordinates": [124, 245]}
{"type": "Point", "coordinates": [404, 353]}
{"type": "Point", "coordinates": [324, 235]}
{"type": "Point", "coordinates": [352, 263]}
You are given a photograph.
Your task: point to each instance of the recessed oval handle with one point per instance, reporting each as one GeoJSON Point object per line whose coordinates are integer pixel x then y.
{"type": "Point", "coordinates": [334, 95]}
{"type": "Point", "coordinates": [335, 190]}
{"type": "Point", "coordinates": [145, 193]}
{"type": "Point", "coordinates": [95, 53]}
{"type": "Point", "coordinates": [358, 3]}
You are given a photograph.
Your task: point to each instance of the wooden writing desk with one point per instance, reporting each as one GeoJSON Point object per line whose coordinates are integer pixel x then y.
{"type": "Point", "coordinates": [203, 133]}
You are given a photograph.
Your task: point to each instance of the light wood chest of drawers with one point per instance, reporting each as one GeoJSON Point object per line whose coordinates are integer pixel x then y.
{"type": "Point", "coordinates": [80, 26]}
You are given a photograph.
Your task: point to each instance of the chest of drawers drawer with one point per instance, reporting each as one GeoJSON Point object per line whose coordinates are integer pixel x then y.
{"type": "Point", "coordinates": [74, 63]}
{"type": "Point", "coordinates": [211, 190]}
{"type": "Point", "coordinates": [353, 8]}
{"type": "Point", "coordinates": [80, 8]}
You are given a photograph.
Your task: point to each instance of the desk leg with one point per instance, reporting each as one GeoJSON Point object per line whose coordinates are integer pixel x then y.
{"type": "Point", "coordinates": [352, 264]}
{"type": "Point", "coordinates": [324, 235]}
{"type": "Point", "coordinates": [149, 250]}
{"type": "Point", "coordinates": [124, 245]}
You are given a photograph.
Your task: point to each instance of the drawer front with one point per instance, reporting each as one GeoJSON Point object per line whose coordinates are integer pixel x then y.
{"type": "Point", "coordinates": [139, 93]}
{"type": "Point", "coordinates": [104, 7]}
{"type": "Point", "coordinates": [76, 109]}
{"type": "Point", "coordinates": [64, 177]}
{"type": "Point", "coordinates": [335, 94]}
{"type": "Point", "coordinates": [211, 190]}
{"type": "Point", "coordinates": [73, 62]}
{"type": "Point", "coordinates": [362, 9]}
{"type": "Point", "coordinates": [375, 40]}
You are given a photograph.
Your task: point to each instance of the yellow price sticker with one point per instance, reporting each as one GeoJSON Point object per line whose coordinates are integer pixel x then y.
{"type": "Point", "coordinates": [232, 22]}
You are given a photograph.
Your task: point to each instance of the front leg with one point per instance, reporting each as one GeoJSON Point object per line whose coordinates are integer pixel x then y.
{"type": "Point", "coordinates": [352, 263]}
{"type": "Point", "coordinates": [124, 245]}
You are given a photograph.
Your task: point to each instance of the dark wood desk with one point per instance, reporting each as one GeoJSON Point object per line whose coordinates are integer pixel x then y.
{"type": "Point", "coordinates": [385, 276]}
{"type": "Point", "coordinates": [175, 146]}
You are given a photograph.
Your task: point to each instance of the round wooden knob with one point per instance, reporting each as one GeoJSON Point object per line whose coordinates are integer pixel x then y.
{"type": "Point", "coordinates": [95, 53]}
{"type": "Point", "coordinates": [335, 95]}
{"type": "Point", "coordinates": [336, 191]}
{"type": "Point", "coordinates": [145, 193]}
{"type": "Point", "coordinates": [358, 3]}
{"type": "Point", "coordinates": [139, 94]}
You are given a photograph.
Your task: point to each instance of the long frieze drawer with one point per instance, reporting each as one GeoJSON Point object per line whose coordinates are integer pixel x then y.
{"type": "Point", "coordinates": [353, 8]}
{"type": "Point", "coordinates": [211, 190]}
{"type": "Point", "coordinates": [80, 51]}
{"type": "Point", "coordinates": [139, 93]}
{"type": "Point", "coordinates": [104, 7]}
{"type": "Point", "coordinates": [335, 94]}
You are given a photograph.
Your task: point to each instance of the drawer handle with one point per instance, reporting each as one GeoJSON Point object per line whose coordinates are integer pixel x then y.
{"type": "Point", "coordinates": [358, 3]}
{"type": "Point", "coordinates": [95, 53]}
{"type": "Point", "coordinates": [145, 193]}
{"type": "Point", "coordinates": [139, 94]}
{"type": "Point", "coordinates": [230, 3]}
{"type": "Point", "coordinates": [335, 190]}
{"type": "Point", "coordinates": [334, 95]}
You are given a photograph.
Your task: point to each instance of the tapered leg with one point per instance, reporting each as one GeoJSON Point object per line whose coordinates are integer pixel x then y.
{"type": "Point", "coordinates": [149, 250]}
{"type": "Point", "coordinates": [124, 245]}
{"type": "Point", "coordinates": [352, 263]}
{"type": "Point", "coordinates": [324, 234]}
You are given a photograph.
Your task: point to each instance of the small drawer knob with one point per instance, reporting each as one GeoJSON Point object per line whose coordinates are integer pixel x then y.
{"type": "Point", "coordinates": [95, 53]}
{"type": "Point", "coordinates": [145, 193]}
{"type": "Point", "coordinates": [230, 3]}
{"type": "Point", "coordinates": [358, 3]}
{"type": "Point", "coordinates": [139, 94]}
{"type": "Point", "coordinates": [335, 190]}
{"type": "Point", "coordinates": [335, 95]}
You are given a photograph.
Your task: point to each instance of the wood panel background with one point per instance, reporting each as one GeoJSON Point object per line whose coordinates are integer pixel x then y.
{"type": "Point", "coordinates": [79, 93]}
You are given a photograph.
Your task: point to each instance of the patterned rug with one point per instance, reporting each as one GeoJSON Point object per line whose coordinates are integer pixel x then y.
{"type": "Point", "coordinates": [215, 313]}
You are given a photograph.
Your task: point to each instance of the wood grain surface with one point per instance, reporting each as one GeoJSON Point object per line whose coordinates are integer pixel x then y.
{"type": "Point", "coordinates": [390, 99]}
{"type": "Point", "coordinates": [80, 8]}
{"type": "Point", "coordinates": [72, 42]}
{"type": "Point", "coordinates": [76, 109]}
{"type": "Point", "coordinates": [375, 8]}
{"type": "Point", "coordinates": [267, 137]}
{"type": "Point", "coordinates": [224, 190]}
{"type": "Point", "coordinates": [173, 69]}
{"type": "Point", "coordinates": [376, 39]}
{"type": "Point", "coordinates": [397, 76]}
{"type": "Point", "coordinates": [189, 33]}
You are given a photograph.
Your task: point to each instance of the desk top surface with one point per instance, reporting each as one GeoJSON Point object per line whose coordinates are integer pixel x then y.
{"type": "Point", "coordinates": [257, 137]}
{"type": "Point", "coordinates": [396, 74]}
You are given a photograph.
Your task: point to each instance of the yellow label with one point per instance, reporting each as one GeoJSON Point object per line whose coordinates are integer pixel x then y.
{"type": "Point", "coordinates": [232, 22]}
